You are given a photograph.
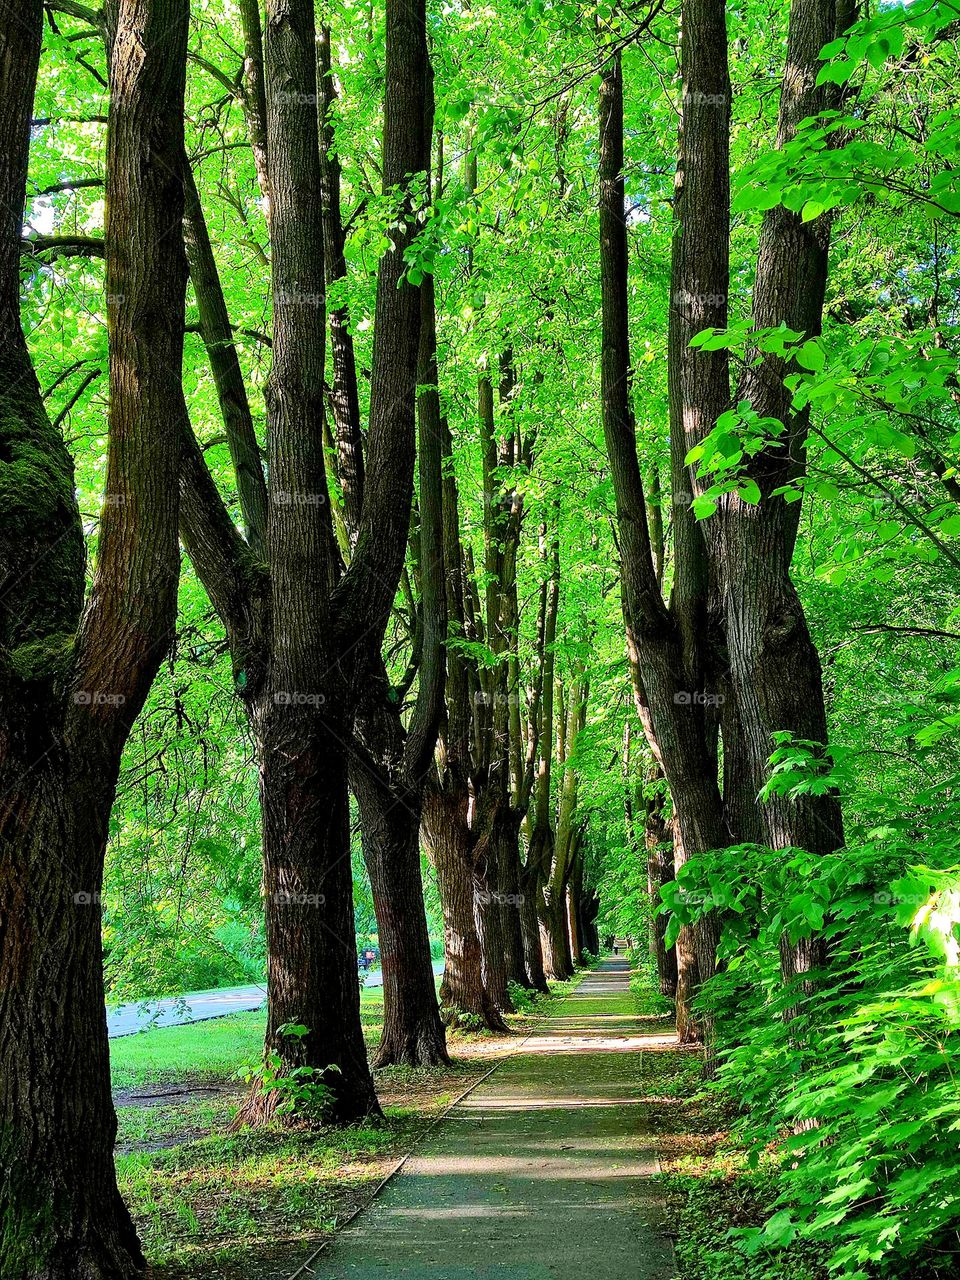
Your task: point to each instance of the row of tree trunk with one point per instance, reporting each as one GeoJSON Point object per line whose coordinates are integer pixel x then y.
{"type": "Point", "coordinates": [727, 660]}
{"type": "Point", "coordinates": [482, 762]}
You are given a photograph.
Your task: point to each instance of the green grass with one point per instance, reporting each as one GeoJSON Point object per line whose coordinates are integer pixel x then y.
{"type": "Point", "coordinates": [210, 1050]}
{"type": "Point", "coordinates": [224, 1204]}
{"type": "Point", "coordinates": [201, 1051]}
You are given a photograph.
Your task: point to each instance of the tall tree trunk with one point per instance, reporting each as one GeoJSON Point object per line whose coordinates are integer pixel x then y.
{"type": "Point", "coordinates": [658, 841]}
{"type": "Point", "coordinates": [462, 991]}
{"type": "Point", "coordinates": [588, 924]}
{"type": "Point", "coordinates": [689, 1030]}
{"type": "Point", "coordinates": [389, 763]}
{"type": "Point", "coordinates": [507, 846]}
{"type": "Point", "coordinates": [557, 962]}
{"type": "Point", "coordinates": [390, 829]}
{"type": "Point", "coordinates": [530, 932]}
{"type": "Point", "coordinates": [663, 645]}
{"type": "Point", "coordinates": [344, 397]}
{"type": "Point", "coordinates": [390, 811]}
{"type": "Point", "coordinates": [311, 938]}
{"type": "Point", "coordinates": [61, 1215]}
{"type": "Point", "coordinates": [576, 950]}
{"type": "Point", "coordinates": [656, 851]}
{"type": "Point", "coordinates": [699, 384]}
{"type": "Point", "coordinates": [491, 929]}
{"type": "Point", "coordinates": [225, 363]}
{"type": "Point", "coordinates": [254, 99]}
{"type": "Point", "coordinates": [327, 623]}
{"type": "Point", "coordinates": [775, 667]}
{"type": "Point", "coordinates": [304, 715]}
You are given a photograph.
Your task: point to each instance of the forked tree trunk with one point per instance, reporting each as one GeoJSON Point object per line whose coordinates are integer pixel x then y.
{"type": "Point", "coordinates": [327, 624]}
{"type": "Point", "coordinates": [303, 715]}
{"type": "Point", "coordinates": [390, 760]}
{"type": "Point", "coordinates": [667, 644]}
{"type": "Point", "coordinates": [775, 668]}
{"type": "Point", "coordinates": [68, 697]}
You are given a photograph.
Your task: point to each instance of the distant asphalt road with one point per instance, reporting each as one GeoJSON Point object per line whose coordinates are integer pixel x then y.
{"type": "Point", "coordinates": [197, 1006]}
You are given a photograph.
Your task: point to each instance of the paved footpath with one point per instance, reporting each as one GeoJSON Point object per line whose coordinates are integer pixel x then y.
{"type": "Point", "coordinates": [542, 1173]}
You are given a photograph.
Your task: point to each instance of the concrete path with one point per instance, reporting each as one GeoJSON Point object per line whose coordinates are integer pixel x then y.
{"type": "Point", "coordinates": [542, 1173]}
{"type": "Point", "coordinates": [198, 1006]}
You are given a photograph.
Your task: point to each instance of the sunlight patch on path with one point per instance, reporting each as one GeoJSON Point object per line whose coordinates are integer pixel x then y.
{"type": "Point", "coordinates": [542, 1173]}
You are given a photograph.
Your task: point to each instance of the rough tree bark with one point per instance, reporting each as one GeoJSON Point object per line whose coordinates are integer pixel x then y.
{"type": "Point", "coordinates": [447, 829]}
{"type": "Point", "coordinates": [225, 364]}
{"type": "Point", "coordinates": [344, 395]}
{"type": "Point", "coordinates": [558, 943]}
{"type": "Point", "coordinates": [542, 853]}
{"type": "Point", "coordinates": [389, 759]}
{"type": "Point", "coordinates": [72, 682]}
{"type": "Point", "coordinates": [655, 848]}
{"type": "Point", "coordinates": [463, 993]}
{"type": "Point", "coordinates": [306, 633]}
{"type": "Point", "coordinates": [390, 766]}
{"type": "Point", "coordinates": [775, 669]}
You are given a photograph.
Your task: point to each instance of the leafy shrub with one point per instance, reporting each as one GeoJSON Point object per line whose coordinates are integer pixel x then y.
{"type": "Point", "coordinates": [856, 1086]}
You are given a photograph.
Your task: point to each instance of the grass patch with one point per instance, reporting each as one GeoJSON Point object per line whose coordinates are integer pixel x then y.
{"type": "Point", "coordinates": [210, 1050]}
{"type": "Point", "coordinates": [221, 1202]}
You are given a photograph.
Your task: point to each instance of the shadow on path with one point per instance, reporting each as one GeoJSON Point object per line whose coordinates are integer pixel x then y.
{"type": "Point", "coordinates": [542, 1173]}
